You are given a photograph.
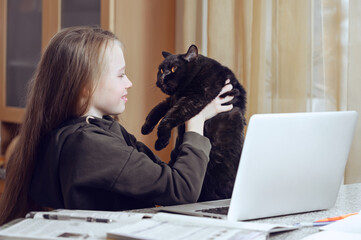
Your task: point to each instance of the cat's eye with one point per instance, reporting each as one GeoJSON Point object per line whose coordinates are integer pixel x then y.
{"type": "Point", "coordinates": [161, 71]}
{"type": "Point", "coordinates": [174, 69]}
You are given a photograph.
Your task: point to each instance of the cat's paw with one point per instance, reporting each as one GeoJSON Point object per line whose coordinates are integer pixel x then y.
{"type": "Point", "coordinates": [146, 129]}
{"type": "Point", "coordinates": [160, 144]}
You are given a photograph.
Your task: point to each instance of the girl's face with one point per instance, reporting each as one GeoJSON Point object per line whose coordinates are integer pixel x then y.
{"type": "Point", "coordinates": [110, 94]}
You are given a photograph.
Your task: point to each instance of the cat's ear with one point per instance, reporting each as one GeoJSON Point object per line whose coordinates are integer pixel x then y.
{"type": "Point", "coordinates": [192, 54]}
{"type": "Point", "coordinates": [166, 54]}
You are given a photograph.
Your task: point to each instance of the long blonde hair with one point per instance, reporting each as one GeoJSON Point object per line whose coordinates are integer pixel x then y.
{"type": "Point", "coordinates": [71, 62]}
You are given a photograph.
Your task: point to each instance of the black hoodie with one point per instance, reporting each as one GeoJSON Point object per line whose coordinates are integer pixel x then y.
{"type": "Point", "coordinates": [98, 165]}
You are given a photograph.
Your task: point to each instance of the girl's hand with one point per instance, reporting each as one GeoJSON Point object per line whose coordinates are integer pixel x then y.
{"type": "Point", "coordinates": [196, 124]}
{"type": "Point", "coordinates": [215, 107]}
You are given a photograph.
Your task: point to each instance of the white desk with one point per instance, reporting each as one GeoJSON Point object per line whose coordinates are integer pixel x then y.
{"type": "Point", "coordinates": [349, 200]}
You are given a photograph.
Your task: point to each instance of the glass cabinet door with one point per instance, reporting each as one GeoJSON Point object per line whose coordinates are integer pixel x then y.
{"type": "Point", "coordinates": [23, 39]}
{"type": "Point", "coordinates": [23, 48]}
{"type": "Point", "coordinates": [26, 26]}
{"type": "Point", "coordinates": [80, 12]}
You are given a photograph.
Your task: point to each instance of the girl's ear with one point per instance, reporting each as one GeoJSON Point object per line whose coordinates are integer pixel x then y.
{"type": "Point", "coordinates": [192, 53]}
{"type": "Point", "coordinates": [166, 54]}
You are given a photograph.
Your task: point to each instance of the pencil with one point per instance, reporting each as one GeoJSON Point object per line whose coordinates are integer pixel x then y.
{"type": "Point", "coordinates": [336, 218]}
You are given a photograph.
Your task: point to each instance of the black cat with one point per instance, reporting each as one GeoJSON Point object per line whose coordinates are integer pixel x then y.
{"type": "Point", "coordinates": [192, 81]}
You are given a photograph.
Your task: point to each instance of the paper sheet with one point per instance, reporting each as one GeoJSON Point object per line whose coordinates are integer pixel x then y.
{"type": "Point", "coordinates": [52, 229]}
{"type": "Point", "coordinates": [332, 235]}
{"type": "Point", "coordinates": [350, 224]}
{"type": "Point", "coordinates": [157, 230]}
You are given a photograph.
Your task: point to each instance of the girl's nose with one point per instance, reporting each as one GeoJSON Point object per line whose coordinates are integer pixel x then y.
{"type": "Point", "coordinates": [130, 84]}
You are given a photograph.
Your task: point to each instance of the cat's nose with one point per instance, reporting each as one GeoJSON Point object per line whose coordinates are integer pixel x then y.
{"type": "Point", "coordinates": [166, 72]}
{"type": "Point", "coordinates": [160, 80]}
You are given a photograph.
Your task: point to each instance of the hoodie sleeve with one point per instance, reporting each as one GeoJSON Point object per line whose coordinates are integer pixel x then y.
{"type": "Point", "coordinates": [93, 159]}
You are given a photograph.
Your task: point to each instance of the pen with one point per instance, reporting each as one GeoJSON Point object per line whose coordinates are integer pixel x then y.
{"type": "Point", "coordinates": [313, 224]}
{"type": "Point", "coordinates": [336, 218]}
{"type": "Point", "coordinates": [66, 217]}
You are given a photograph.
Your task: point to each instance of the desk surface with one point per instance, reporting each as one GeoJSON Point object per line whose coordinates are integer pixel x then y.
{"type": "Point", "coordinates": [348, 201]}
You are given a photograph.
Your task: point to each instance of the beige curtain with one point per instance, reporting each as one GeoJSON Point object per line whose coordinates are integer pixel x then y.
{"type": "Point", "coordinates": [291, 55]}
{"type": "Point", "coordinates": [352, 87]}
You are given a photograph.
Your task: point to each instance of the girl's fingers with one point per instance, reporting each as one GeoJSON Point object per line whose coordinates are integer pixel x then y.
{"type": "Point", "coordinates": [227, 108]}
{"type": "Point", "coordinates": [225, 89]}
{"type": "Point", "coordinates": [224, 108]}
{"type": "Point", "coordinates": [225, 99]}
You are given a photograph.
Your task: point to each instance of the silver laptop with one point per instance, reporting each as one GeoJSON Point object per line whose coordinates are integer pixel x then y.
{"type": "Point", "coordinates": [291, 163]}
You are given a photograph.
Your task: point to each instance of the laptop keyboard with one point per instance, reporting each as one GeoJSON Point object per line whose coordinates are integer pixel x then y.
{"type": "Point", "coordinates": [219, 210]}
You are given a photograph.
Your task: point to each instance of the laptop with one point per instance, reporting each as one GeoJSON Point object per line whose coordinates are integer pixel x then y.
{"type": "Point", "coordinates": [290, 163]}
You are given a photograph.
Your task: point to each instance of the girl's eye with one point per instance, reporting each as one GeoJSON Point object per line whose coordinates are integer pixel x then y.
{"type": "Point", "coordinates": [161, 71]}
{"type": "Point", "coordinates": [174, 69]}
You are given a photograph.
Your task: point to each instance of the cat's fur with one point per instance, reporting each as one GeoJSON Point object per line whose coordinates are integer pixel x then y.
{"type": "Point", "coordinates": [192, 81]}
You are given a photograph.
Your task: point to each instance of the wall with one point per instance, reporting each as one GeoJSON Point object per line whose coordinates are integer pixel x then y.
{"type": "Point", "coordinates": [146, 28]}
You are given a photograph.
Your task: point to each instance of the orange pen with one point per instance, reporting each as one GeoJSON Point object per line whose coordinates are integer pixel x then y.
{"type": "Point", "coordinates": [336, 218]}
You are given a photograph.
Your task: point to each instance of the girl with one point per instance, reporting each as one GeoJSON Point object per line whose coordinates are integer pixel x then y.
{"type": "Point", "coordinates": [72, 154]}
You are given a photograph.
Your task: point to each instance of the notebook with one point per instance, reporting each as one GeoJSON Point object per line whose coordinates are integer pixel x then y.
{"type": "Point", "coordinates": [290, 163]}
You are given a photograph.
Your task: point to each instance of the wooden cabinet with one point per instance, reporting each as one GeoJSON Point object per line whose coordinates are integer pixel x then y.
{"type": "Point", "coordinates": [25, 29]}
{"type": "Point", "coordinates": [146, 28]}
